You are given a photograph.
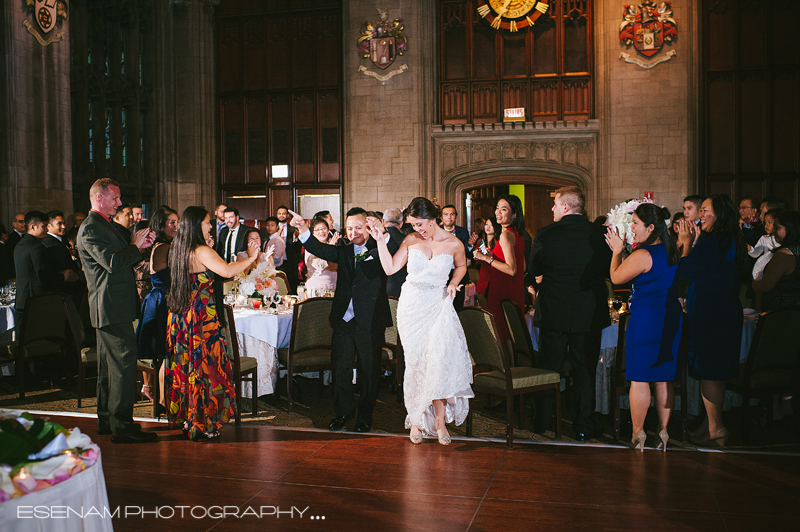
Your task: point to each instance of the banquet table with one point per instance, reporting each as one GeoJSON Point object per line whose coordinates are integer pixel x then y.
{"type": "Point", "coordinates": [261, 334]}
{"type": "Point", "coordinates": [7, 324]}
{"type": "Point", "coordinates": [59, 507]}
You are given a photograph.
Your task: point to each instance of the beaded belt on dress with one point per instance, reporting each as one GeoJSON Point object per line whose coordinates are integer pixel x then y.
{"type": "Point", "coordinates": [423, 286]}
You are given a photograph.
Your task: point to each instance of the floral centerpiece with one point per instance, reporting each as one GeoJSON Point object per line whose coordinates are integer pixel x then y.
{"type": "Point", "coordinates": [260, 283]}
{"type": "Point", "coordinates": [621, 217]}
{"type": "Point", "coordinates": [36, 454]}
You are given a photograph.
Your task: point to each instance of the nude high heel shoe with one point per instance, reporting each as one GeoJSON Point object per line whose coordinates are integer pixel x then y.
{"type": "Point", "coordinates": [416, 439]}
{"type": "Point", "coordinates": [637, 442]}
{"type": "Point", "coordinates": [717, 442]}
{"type": "Point", "coordinates": [664, 437]}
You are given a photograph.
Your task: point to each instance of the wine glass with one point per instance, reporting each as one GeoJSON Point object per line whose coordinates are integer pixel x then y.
{"type": "Point", "coordinates": [276, 299]}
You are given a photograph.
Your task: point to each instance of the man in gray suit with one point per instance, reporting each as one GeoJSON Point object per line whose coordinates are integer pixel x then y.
{"type": "Point", "coordinates": [108, 262]}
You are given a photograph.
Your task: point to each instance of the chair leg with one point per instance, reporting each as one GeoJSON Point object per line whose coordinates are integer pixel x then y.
{"type": "Point", "coordinates": [289, 379]}
{"type": "Point", "coordinates": [254, 380]}
{"type": "Point", "coordinates": [746, 418]}
{"type": "Point", "coordinates": [238, 388]}
{"type": "Point", "coordinates": [509, 421]}
{"type": "Point", "coordinates": [21, 375]}
{"type": "Point", "coordinates": [558, 410]}
{"type": "Point", "coordinates": [616, 414]}
{"type": "Point", "coordinates": [81, 377]}
{"type": "Point", "coordinates": [520, 410]}
{"type": "Point", "coordinates": [469, 419]}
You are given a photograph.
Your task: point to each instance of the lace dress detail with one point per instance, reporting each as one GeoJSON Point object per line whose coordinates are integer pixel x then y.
{"type": "Point", "coordinates": [435, 349]}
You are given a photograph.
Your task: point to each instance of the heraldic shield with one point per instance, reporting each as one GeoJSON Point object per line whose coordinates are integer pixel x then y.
{"type": "Point", "coordinates": [648, 26]}
{"type": "Point", "coordinates": [45, 14]}
{"type": "Point", "coordinates": [382, 51]}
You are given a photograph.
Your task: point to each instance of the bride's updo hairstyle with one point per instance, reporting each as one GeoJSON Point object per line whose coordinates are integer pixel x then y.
{"type": "Point", "coordinates": [423, 208]}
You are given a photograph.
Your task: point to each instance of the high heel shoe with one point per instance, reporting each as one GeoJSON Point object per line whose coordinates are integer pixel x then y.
{"type": "Point", "coordinates": [160, 411]}
{"type": "Point", "coordinates": [416, 439]}
{"type": "Point", "coordinates": [443, 440]}
{"type": "Point", "coordinates": [717, 442]}
{"type": "Point", "coordinates": [637, 442]}
{"type": "Point", "coordinates": [664, 437]}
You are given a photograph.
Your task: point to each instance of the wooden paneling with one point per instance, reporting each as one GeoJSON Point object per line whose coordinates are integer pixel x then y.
{"type": "Point", "coordinates": [751, 100]}
{"type": "Point", "coordinates": [279, 94]}
{"type": "Point", "coordinates": [472, 53]}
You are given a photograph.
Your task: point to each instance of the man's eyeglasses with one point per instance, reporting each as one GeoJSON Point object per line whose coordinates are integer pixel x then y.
{"type": "Point", "coordinates": [21, 221]}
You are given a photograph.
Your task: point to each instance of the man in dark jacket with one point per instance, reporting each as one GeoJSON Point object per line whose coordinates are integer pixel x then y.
{"type": "Point", "coordinates": [449, 214]}
{"type": "Point", "coordinates": [393, 222]}
{"type": "Point", "coordinates": [572, 259]}
{"type": "Point", "coordinates": [359, 316]}
{"type": "Point", "coordinates": [35, 274]}
{"type": "Point", "coordinates": [70, 280]}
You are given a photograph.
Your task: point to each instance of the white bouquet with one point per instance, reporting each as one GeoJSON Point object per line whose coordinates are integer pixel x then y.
{"type": "Point", "coordinates": [621, 218]}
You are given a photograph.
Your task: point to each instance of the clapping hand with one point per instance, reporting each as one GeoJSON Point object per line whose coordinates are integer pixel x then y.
{"type": "Point", "coordinates": [472, 239]}
{"type": "Point", "coordinates": [615, 241]}
{"type": "Point", "coordinates": [143, 239]}
{"type": "Point", "coordinates": [252, 250]}
{"type": "Point", "coordinates": [269, 252]}
{"type": "Point", "coordinates": [299, 222]}
{"type": "Point", "coordinates": [334, 239]}
{"type": "Point", "coordinates": [687, 233]}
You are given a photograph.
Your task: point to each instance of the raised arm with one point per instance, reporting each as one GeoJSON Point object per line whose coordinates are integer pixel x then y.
{"type": "Point", "coordinates": [209, 259]}
{"type": "Point", "coordinates": [391, 263]}
{"type": "Point", "coordinates": [638, 262]}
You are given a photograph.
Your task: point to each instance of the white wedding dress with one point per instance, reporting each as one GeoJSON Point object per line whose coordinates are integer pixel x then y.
{"type": "Point", "coordinates": [435, 350]}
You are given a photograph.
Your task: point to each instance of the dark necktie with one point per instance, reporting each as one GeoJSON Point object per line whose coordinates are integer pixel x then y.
{"type": "Point", "coordinates": [228, 247]}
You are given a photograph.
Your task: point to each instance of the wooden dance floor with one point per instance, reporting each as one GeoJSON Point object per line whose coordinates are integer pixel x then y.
{"type": "Point", "coordinates": [379, 483]}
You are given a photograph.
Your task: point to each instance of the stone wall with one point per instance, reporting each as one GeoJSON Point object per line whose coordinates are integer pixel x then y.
{"type": "Point", "coordinates": [648, 116]}
{"type": "Point", "coordinates": [37, 169]}
{"type": "Point", "coordinates": [384, 123]}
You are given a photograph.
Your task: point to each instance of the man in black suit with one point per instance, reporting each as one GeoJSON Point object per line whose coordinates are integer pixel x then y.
{"type": "Point", "coordinates": [359, 316]}
{"type": "Point", "coordinates": [393, 221]}
{"type": "Point", "coordinates": [35, 274]}
{"type": "Point", "coordinates": [73, 281]}
{"type": "Point", "coordinates": [293, 246]}
{"type": "Point", "coordinates": [123, 221]}
{"type": "Point", "coordinates": [233, 237]}
{"type": "Point", "coordinates": [572, 260]}
{"type": "Point", "coordinates": [18, 231]}
{"type": "Point", "coordinates": [449, 224]}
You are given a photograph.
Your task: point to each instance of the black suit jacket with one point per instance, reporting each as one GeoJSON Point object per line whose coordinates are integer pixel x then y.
{"type": "Point", "coordinates": [6, 264]}
{"type": "Point", "coordinates": [241, 240]}
{"type": "Point", "coordinates": [123, 231]}
{"type": "Point", "coordinates": [13, 240]}
{"type": "Point", "coordinates": [35, 274]}
{"type": "Point", "coordinates": [364, 283]}
{"type": "Point", "coordinates": [61, 259]}
{"type": "Point", "coordinates": [395, 281]}
{"type": "Point", "coordinates": [574, 259]}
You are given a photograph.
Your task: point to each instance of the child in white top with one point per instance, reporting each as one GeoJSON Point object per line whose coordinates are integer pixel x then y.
{"type": "Point", "coordinates": [764, 246]}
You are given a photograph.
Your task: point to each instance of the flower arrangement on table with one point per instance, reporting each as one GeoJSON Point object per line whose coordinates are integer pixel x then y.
{"type": "Point", "coordinates": [259, 283]}
{"type": "Point", "coordinates": [36, 454]}
{"type": "Point", "coordinates": [621, 218]}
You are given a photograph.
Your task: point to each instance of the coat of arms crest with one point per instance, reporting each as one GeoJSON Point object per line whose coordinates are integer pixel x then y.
{"type": "Point", "coordinates": [648, 26]}
{"type": "Point", "coordinates": [48, 14]}
{"type": "Point", "coordinates": [381, 43]}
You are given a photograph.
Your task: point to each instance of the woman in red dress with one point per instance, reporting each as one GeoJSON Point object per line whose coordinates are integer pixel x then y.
{"type": "Point", "coordinates": [506, 261]}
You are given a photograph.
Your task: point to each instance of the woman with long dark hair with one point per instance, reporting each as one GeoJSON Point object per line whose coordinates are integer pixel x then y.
{"type": "Point", "coordinates": [438, 372]}
{"type": "Point", "coordinates": [486, 240]}
{"type": "Point", "coordinates": [713, 261]}
{"type": "Point", "coordinates": [506, 260]}
{"type": "Point", "coordinates": [198, 380]}
{"type": "Point", "coordinates": [780, 285]}
{"type": "Point", "coordinates": [151, 332]}
{"type": "Point", "coordinates": [652, 338]}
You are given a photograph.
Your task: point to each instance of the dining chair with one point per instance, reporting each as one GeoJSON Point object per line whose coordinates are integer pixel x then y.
{"type": "Point", "coordinates": [392, 351]}
{"type": "Point", "coordinates": [310, 344]}
{"type": "Point", "coordinates": [621, 386]}
{"type": "Point", "coordinates": [86, 356]}
{"type": "Point", "coordinates": [523, 354]}
{"type": "Point", "coordinates": [493, 373]}
{"type": "Point", "coordinates": [773, 362]}
{"type": "Point", "coordinates": [283, 284]}
{"type": "Point", "coordinates": [42, 334]}
{"type": "Point", "coordinates": [245, 369]}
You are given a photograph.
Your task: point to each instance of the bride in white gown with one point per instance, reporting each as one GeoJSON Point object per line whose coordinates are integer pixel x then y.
{"type": "Point", "coordinates": [438, 371]}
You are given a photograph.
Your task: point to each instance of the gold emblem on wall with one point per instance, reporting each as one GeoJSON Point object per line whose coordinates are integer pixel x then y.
{"type": "Point", "coordinates": [47, 15]}
{"type": "Point", "coordinates": [511, 15]}
{"type": "Point", "coordinates": [382, 43]}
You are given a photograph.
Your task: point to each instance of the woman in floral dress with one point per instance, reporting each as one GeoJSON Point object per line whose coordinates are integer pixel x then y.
{"type": "Point", "coordinates": [198, 381]}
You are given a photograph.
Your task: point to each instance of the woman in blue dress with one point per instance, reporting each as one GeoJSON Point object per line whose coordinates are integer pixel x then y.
{"type": "Point", "coordinates": [652, 338]}
{"type": "Point", "coordinates": [151, 333]}
{"type": "Point", "coordinates": [713, 262]}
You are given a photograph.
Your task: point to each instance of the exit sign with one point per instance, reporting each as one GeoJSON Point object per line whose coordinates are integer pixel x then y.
{"type": "Point", "coordinates": [515, 114]}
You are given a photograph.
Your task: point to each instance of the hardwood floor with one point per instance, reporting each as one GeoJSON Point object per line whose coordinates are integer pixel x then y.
{"type": "Point", "coordinates": [383, 483]}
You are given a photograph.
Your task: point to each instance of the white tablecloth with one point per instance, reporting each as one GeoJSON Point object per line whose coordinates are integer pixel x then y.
{"type": "Point", "coordinates": [260, 335]}
{"type": "Point", "coordinates": [7, 318]}
{"type": "Point", "coordinates": [83, 493]}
